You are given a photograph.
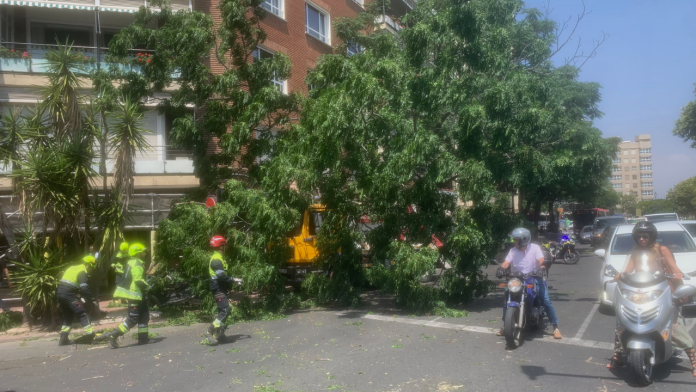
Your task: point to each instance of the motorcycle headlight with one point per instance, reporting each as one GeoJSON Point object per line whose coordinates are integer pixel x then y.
{"type": "Point", "coordinates": [610, 271]}
{"type": "Point", "coordinates": [515, 285]}
{"type": "Point", "coordinates": [641, 298]}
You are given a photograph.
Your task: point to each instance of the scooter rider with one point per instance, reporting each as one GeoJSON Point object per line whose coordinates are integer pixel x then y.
{"type": "Point", "coordinates": [526, 258]}
{"type": "Point", "coordinates": [660, 258]}
{"type": "Point", "coordinates": [220, 284]}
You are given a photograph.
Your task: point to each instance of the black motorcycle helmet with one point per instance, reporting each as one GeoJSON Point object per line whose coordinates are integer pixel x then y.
{"type": "Point", "coordinates": [645, 228]}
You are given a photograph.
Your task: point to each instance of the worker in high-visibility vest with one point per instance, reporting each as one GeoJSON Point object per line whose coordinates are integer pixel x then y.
{"type": "Point", "coordinates": [133, 287]}
{"type": "Point", "coordinates": [220, 284]}
{"type": "Point", "coordinates": [73, 285]}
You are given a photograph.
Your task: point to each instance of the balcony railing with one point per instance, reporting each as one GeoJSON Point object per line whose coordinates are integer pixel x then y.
{"type": "Point", "coordinates": [128, 6]}
{"type": "Point", "coordinates": [387, 23]}
{"type": "Point", "coordinates": [31, 58]}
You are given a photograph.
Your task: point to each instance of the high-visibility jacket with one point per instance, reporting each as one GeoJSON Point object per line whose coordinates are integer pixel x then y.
{"type": "Point", "coordinates": [218, 276]}
{"type": "Point", "coordinates": [75, 281]}
{"type": "Point", "coordinates": [132, 284]}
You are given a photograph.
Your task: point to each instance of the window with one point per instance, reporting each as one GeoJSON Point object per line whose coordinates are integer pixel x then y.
{"type": "Point", "coordinates": [626, 168]}
{"type": "Point", "coordinates": [633, 152]}
{"type": "Point", "coordinates": [316, 23]}
{"type": "Point", "coordinates": [635, 185]}
{"type": "Point", "coordinates": [633, 160]}
{"type": "Point", "coordinates": [616, 160]}
{"type": "Point", "coordinates": [616, 186]}
{"type": "Point", "coordinates": [625, 152]}
{"type": "Point", "coordinates": [645, 159]}
{"type": "Point", "coordinates": [615, 178]}
{"type": "Point", "coordinates": [646, 168]}
{"type": "Point", "coordinates": [647, 193]}
{"type": "Point", "coordinates": [676, 241]}
{"type": "Point", "coordinates": [626, 177]}
{"type": "Point", "coordinates": [273, 6]}
{"type": "Point", "coordinates": [646, 175]}
{"type": "Point", "coordinates": [646, 184]}
{"type": "Point", "coordinates": [634, 168]}
{"type": "Point", "coordinates": [635, 176]}
{"type": "Point", "coordinates": [354, 48]}
{"type": "Point", "coordinates": [42, 33]}
{"type": "Point", "coordinates": [625, 160]}
{"type": "Point", "coordinates": [645, 151]}
{"type": "Point", "coordinates": [616, 168]}
{"type": "Point", "coordinates": [360, 2]}
{"type": "Point", "coordinates": [261, 54]}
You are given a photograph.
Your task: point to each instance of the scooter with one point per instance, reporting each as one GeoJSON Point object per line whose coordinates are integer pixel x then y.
{"type": "Point", "coordinates": [645, 313]}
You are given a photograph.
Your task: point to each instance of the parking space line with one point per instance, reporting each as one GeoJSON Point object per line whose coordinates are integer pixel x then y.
{"type": "Point", "coordinates": [469, 328]}
{"type": "Point", "coordinates": [586, 323]}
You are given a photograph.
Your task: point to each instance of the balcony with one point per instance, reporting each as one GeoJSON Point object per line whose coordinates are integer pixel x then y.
{"type": "Point", "coordinates": [386, 22]}
{"type": "Point", "coordinates": [127, 6]}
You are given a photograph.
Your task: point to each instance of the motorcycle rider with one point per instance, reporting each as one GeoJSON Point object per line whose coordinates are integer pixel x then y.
{"type": "Point", "coordinates": [526, 258]}
{"type": "Point", "coordinates": [220, 284]}
{"type": "Point", "coordinates": [133, 288]}
{"type": "Point", "coordinates": [660, 258]}
{"type": "Point", "coordinates": [72, 285]}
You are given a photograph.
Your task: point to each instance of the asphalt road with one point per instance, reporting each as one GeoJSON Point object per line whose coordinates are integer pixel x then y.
{"type": "Point", "coordinates": [374, 348]}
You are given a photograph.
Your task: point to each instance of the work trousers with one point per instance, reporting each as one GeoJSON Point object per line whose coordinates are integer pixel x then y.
{"type": "Point", "coordinates": [223, 305]}
{"type": "Point", "coordinates": [71, 306]}
{"type": "Point", "coordinates": [138, 314]}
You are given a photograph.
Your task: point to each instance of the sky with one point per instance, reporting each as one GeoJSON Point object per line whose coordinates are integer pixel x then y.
{"type": "Point", "coordinates": [647, 70]}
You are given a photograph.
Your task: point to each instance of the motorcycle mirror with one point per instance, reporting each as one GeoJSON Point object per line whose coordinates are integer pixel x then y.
{"type": "Point", "coordinates": [684, 291]}
{"type": "Point", "coordinates": [600, 253]}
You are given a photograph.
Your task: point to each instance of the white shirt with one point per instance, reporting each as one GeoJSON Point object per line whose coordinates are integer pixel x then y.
{"type": "Point", "coordinates": [525, 261]}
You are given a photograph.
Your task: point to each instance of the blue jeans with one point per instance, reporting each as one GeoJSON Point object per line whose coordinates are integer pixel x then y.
{"type": "Point", "coordinates": [543, 294]}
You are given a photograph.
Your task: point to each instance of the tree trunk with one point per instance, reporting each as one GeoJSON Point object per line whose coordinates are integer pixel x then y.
{"type": "Point", "coordinates": [527, 206]}
{"type": "Point", "coordinates": [520, 200]}
{"type": "Point", "coordinates": [537, 213]}
{"type": "Point", "coordinates": [552, 218]}
{"type": "Point", "coordinates": [9, 234]}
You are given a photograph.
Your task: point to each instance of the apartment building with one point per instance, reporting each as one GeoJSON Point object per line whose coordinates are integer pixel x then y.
{"type": "Point", "coordinates": [632, 171]}
{"type": "Point", "coordinates": [302, 29]}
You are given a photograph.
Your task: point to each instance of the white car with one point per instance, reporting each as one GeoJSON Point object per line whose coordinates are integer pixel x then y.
{"type": "Point", "coordinates": [690, 226]}
{"type": "Point", "coordinates": [670, 234]}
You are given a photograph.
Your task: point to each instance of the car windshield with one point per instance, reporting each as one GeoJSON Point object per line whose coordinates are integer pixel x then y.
{"type": "Point", "coordinates": [662, 217]}
{"type": "Point", "coordinates": [676, 241]}
{"type": "Point", "coordinates": [602, 223]}
{"type": "Point", "coordinates": [587, 229]}
{"type": "Point", "coordinates": [691, 228]}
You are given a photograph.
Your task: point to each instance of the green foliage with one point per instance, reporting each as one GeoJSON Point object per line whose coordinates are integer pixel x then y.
{"type": "Point", "coordinates": [685, 127]}
{"type": "Point", "coordinates": [683, 196]}
{"type": "Point", "coordinates": [629, 203]}
{"type": "Point", "coordinates": [9, 320]}
{"type": "Point", "coordinates": [656, 206]}
{"type": "Point", "coordinates": [37, 280]}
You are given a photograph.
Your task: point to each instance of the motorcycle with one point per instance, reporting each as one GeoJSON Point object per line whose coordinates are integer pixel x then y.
{"type": "Point", "coordinates": [645, 312]}
{"type": "Point", "coordinates": [523, 307]}
{"type": "Point", "coordinates": [564, 249]}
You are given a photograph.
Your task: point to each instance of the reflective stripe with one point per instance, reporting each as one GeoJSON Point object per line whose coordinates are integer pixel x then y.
{"type": "Point", "coordinates": [70, 283]}
{"type": "Point", "coordinates": [140, 330]}
{"type": "Point", "coordinates": [65, 328]}
{"type": "Point", "coordinates": [88, 329]}
{"type": "Point", "coordinates": [84, 286]}
{"type": "Point", "coordinates": [124, 293]}
{"type": "Point", "coordinates": [123, 328]}
{"type": "Point", "coordinates": [216, 323]}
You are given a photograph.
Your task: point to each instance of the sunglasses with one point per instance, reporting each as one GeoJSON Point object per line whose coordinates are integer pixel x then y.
{"type": "Point", "coordinates": [643, 236]}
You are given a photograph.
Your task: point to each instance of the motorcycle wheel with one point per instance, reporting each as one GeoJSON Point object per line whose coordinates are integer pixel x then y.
{"type": "Point", "coordinates": [513, 333]}
{"type": "Point", "coordinates": [639, 362]}
{"type": "Point", "coordinates": [571, 257]}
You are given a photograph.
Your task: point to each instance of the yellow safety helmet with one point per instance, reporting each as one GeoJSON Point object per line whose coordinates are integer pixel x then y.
{"type": "Point", "coordinates": [136, 249]}
{"type": "Point", "coordinates": [123, 250]}
{"type": "Point", "coordinates": [89, 260]}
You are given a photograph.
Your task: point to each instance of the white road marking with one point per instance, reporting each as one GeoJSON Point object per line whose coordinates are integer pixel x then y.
{"type": "Point", "coordinates": [586, 323]}
{"type": "Point", "coordinates": [457, 327]}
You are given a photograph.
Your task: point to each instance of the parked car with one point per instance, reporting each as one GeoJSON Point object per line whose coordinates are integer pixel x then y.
{"type": "Point", "coordinates": [606, 236]}
{"type": "Point", "coordinates": [672, 216]}
{"type": "Point", "coordinates": [600, 224]}
{"type": "Point", "coordinates": [670, 234]}
{"type": "Point", "coordinates": [585, 234]}
{"type": "Point", "coordinates": [690, 226]}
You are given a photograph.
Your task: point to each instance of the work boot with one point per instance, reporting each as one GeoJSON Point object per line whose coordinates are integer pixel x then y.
{"type": "Point", "coordinates": [64, 340]}
{"type": "Point", "coordinates": [113, 338]}
{"type": "Point", "coordinates": [211, 334]}
{"type": "Point", "coordinates": [143, 338]}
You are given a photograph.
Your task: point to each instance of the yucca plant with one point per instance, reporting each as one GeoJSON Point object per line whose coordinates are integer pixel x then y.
{"type": "Point", "coordinates": [37, 279]}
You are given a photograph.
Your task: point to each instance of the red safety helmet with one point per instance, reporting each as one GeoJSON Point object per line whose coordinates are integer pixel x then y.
{"type": "Point", "coordinates": [217, 241]}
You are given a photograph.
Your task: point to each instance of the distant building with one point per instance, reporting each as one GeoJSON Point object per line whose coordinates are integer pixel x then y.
{"type": "Point", "coordinates": [632, 170]}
